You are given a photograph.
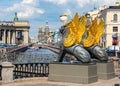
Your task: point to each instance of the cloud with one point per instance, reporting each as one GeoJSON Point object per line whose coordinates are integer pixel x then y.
{"type": "Point", "coordinates": [57, 1]}
{"type": "Point", "coordinates": [107, 2]}
{"type": "Point", "coordinates": [27, 1]}
{"type": "Point", "coordinates": [83, 3]}
{"type": "Point", "coordinates": [25, 9]}
{"type": "Point", "coordinates": [28, 13]}
{"type": "Point", "coordinates": [68, 11]}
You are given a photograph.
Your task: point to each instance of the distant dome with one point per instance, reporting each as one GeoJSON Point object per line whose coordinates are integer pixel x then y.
{"type": "Point", "coordinates": [40, 27]}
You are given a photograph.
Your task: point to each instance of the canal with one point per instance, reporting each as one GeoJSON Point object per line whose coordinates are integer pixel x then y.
{"type": "Point", "coordinates": [36, 56]}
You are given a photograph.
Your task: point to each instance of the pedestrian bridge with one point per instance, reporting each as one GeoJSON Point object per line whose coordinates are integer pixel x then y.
{"type": "Point", "coordinates": [20, 48]}
{"type": "Point", "coordinates": [12, 52]}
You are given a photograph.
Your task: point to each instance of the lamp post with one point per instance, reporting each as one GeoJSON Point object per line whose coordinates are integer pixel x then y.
{"type": "Point", "coordinates": [64, 18]}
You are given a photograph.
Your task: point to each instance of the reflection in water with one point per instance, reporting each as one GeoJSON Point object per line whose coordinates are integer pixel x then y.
{"type": "Point", "coordinates": [35, 56]}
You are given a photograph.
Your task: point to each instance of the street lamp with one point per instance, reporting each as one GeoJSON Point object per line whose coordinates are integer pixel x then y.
{"type": "Point", "coordinates": [64, 18]}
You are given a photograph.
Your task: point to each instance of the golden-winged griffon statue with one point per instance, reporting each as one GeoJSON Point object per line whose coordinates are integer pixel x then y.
{"type": "Point", "coordinates": [81, 39]}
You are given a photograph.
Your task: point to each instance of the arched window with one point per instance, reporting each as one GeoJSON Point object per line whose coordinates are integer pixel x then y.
{"type": "Point", "coordinates": [115, 17]}
{"type": "Point", "coordinates": [115, 29]}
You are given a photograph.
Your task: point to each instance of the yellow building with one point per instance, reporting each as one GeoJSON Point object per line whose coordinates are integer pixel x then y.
{"type": "Point", "coordinates": [111, 16]}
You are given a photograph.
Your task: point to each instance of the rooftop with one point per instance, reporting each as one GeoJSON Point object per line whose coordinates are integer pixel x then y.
{"type": "Point", "coordinates": [114, 7]}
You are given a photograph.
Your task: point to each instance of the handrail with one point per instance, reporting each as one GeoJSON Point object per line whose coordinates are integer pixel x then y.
{"type": "Point", "coordinates": [31, 70]}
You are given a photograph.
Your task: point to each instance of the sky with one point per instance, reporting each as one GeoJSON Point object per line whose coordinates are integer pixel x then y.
{"type": "Point", "coordinates": [38, 12]}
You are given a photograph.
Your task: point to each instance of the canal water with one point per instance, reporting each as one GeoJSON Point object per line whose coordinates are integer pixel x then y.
{"type": "Point", "coordinates": [36, 56]}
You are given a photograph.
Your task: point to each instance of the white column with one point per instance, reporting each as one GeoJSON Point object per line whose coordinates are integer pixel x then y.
{"type": "Point", "coordinates": [8, 38]}
{"type": "Point", "coordinates": [4, 37]}
{"type": "Point", "coordinates": [25, 36]}
{"type": "Point", "coordinates": [13, 37]}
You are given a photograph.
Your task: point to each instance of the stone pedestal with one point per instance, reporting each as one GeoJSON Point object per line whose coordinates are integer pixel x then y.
{"type": "Point", "coordinates": [7, 72]}
{"type": "Point", "coordinates": [74, 73]}
{"type": "Point", "coordinates": [105, 70]}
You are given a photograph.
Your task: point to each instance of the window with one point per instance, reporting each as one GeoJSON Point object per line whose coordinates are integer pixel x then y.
{"type": "Point", "coordinates": [115, 17]}
{"type": "Point", "coordinates": [115, 29]}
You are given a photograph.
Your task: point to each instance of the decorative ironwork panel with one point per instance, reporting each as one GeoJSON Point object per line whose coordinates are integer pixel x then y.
{"type": "Point", "coordinates": [31, 70]}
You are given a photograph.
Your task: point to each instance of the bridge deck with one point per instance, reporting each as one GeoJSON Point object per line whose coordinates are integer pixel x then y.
{"type": "Point", "coordinates": [18, 48]}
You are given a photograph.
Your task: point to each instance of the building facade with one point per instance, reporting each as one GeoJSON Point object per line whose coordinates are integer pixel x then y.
{"type": "Point", "coordinates": [111, 16]}
{"type": "Point", "coordinates": [40, 34]}
{"type": "Point", "coordinates": [46, 35]}
{"type": "Point", "coordinates": [47, 30]}
{"type": "Point", "coordinates": [14, 32]}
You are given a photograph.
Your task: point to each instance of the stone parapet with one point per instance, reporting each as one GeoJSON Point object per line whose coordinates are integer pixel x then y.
{"type": "Point", "coordinates": [7, 72]}
{"type": "Point", "coordinates": [75, 73]}
{"type": "Point", "coordinates": [105, 70]}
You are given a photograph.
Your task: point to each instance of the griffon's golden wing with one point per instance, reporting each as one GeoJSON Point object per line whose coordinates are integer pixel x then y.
{"type": "Point", "coordinates": [71, 33]}
{"type": "Point", "coordinates": [70, 38]}
{"type": "Point", "coordinates": [81, 29]}
{"type": "Point", "coordinates": [99, 32]}
{"type": "Point", "coordinates": [91, 33]}
{"type": "Point", "coordinates": [89, 40]}
{"type": "Point", "coordinates": [73, 23]}
{"type": "Point", "coordinates": [93, 27]}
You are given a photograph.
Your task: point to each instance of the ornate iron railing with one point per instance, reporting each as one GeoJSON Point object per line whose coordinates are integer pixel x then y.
{"type": "Point", "coordinates": [31, 70]}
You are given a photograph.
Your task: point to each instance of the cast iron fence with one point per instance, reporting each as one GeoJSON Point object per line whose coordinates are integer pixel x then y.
{"type": "Point", "coordinates": [31, 70]}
